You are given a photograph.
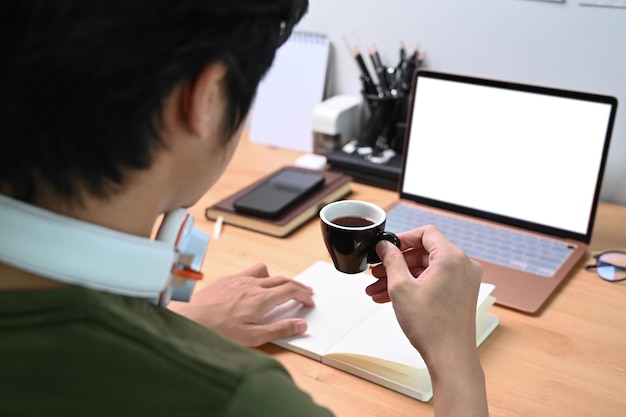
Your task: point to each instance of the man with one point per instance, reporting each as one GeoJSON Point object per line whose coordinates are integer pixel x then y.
{"type": "Point", "coordinates": [114, 113]}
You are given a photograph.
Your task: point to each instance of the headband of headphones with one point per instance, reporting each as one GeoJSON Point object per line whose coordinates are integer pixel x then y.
{"type": "Point", "coordinates": [79, 253]}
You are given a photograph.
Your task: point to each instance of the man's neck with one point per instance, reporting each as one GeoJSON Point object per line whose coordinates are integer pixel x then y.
{"type": "Point", "coordinates": [13, 279]}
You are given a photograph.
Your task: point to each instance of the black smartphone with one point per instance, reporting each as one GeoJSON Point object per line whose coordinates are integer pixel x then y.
{"type": "Point", "coordinates": [274, 197]}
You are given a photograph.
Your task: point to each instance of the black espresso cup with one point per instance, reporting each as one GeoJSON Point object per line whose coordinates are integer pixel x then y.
{"type": "Point", "coordinates": [351, 229]}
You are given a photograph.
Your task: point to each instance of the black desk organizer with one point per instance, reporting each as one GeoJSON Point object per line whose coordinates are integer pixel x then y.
{"type": "Point", "coordinates": [378, 175]}
{"type": "Point", "coordinates": [384, 129]}
{"type": "Point", "coordinates": [387, 106]}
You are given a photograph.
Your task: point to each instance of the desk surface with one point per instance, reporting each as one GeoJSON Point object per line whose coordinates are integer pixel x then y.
{"type": "Point", "coordinates": [568, 361]}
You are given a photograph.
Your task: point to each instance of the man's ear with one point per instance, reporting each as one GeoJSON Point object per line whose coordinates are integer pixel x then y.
{"type": "Point", "coordinates": [204, 96]}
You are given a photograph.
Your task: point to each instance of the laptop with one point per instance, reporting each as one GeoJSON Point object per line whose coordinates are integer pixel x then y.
{"type": "Point", "coordinates": [510, 173]}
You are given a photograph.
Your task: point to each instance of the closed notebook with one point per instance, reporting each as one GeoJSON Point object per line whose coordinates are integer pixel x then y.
{"type": "Point", "coordinates": [350, 332]}
{"type": "Point", "coordinates": [336, 185]}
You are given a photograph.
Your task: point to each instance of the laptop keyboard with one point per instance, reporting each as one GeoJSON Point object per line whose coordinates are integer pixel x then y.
{"type": "Point", "coordinates": [521, 251]}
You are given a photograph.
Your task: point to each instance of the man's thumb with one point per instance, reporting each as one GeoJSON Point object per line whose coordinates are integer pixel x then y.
{"type": "Point", "coordinates": [393, 260]}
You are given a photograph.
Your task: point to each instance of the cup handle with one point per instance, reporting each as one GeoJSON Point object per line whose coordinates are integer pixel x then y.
{"type": "Point", "coordinates": [373, 257]}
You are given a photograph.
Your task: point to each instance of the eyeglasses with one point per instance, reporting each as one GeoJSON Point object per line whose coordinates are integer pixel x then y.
{"type": "Point", "coordinates": [610, 265]}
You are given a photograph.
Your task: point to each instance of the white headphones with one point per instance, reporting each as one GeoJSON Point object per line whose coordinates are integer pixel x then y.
{"type": "Point", "coordinates": [79, 253]}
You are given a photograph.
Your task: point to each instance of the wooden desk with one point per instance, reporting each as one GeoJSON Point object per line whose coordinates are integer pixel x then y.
{"type": "Point", "coordinates": [568, 361]}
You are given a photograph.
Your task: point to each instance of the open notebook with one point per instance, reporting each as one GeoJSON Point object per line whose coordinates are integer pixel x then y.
{"type": "Point", "coordinates": [511, 173]}
{"type": "Point", "coordinates": [350, 332]}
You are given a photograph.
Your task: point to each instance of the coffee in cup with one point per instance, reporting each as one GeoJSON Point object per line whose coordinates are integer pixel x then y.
{"type": "Point", "coordinates": [351, 229]}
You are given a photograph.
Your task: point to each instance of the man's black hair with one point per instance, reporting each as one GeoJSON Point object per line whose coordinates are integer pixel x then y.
{"type": "Point", "coordinates": [83, 82]}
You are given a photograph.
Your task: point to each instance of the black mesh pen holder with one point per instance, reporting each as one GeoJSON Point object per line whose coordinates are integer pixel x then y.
{"type": "Point", "coordinates": [384, 126]}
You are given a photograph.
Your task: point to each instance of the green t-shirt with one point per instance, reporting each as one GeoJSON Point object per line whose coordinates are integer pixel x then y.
{"type": "Point", "coordinates": [78, 352]}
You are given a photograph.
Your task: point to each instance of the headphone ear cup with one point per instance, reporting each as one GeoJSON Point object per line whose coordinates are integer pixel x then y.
{"type": "Point", "coordinates": [172, 225]}
{"type": "Point", "coordinates": [177, 229]}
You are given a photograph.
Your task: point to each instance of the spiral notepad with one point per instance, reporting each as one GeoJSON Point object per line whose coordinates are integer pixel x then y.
{"type": "Point", "coordinates": [282, 113]}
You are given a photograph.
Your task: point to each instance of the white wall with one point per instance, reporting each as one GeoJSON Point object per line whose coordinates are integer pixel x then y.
{"type": "Point", "coordinates": [561, 45]}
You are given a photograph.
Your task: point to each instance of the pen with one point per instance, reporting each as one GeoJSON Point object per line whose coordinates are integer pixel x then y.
{"type": "Point", "coordinates": [412, 63]}
{"type": "Point", "coordinates": [381, 73]}
{"type": "Point", "coordinates": [217, 228]}
{"type": "Point", "coordinates": [368, 84]}
{"type": "Point", "coordinates": [379, 62]}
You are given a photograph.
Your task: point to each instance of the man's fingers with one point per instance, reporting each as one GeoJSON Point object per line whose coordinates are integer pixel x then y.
{"type": "Point", "coordinates": [259, 334]}
{"type": "Point", "coordinates": [269, 282]}
{"type": "Point", "coordinates": [376, 287]}
{"type": "Point", "coordinates": [290, 290]}
{"type": "Point", "coordinates": [258, 270]}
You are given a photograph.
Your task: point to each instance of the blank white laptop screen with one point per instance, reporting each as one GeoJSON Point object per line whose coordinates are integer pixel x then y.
{"type": "Point", "coordinates": [519, 154]}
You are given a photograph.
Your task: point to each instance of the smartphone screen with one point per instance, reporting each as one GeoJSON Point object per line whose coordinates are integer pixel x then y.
{"type": "Point", "coordinates": [274, 197]}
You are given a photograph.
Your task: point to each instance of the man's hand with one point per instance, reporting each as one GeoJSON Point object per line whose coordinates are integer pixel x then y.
{"type": "Point", "coordinates": [433, 286]}
{"type": "Point", "coordinates": [233, 305]}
